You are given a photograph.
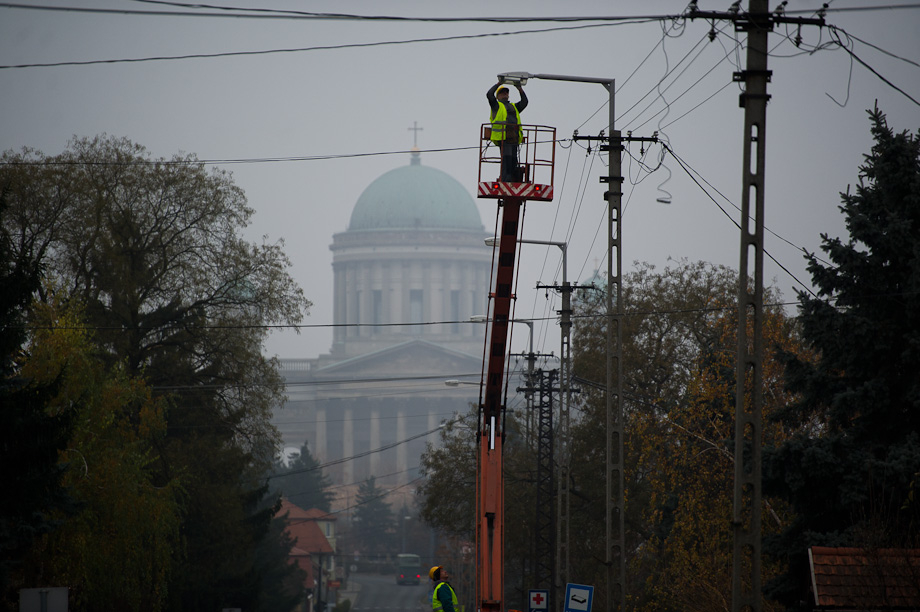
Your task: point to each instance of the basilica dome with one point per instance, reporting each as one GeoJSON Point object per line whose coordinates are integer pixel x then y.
{"type": "Point", "coordinates": [415, 197]}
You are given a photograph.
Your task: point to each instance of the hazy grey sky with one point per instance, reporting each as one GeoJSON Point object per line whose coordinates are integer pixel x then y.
{"type": "Point", "coordinates": [362, 99]}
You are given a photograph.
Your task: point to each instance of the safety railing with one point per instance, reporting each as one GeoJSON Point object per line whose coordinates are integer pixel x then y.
{"type": "Point", "coordinates": [536, 154]}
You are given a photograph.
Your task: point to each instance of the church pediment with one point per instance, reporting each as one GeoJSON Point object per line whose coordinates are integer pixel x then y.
{"type": "Point", "coordinates": [418, 357]}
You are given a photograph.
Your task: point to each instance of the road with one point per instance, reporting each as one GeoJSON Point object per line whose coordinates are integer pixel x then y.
{"type": "Point", "coordinates": [380, 593]}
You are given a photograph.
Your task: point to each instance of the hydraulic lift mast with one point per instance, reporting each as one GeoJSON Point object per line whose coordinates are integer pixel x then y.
{"type": "Point", "coordinates": [537, 159]}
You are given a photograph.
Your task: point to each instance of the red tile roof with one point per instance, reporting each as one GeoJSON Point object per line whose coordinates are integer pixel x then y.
{"type": "Point", "coordinates": [318, 515]}
{"type": "Point", "coordinates": [303, 530]}
{"type": "Point", "coordinates": [296, 512]}
{"type": "Point", "coordinates": [865, 579]}
{"type": "Point", "coordinates": [292, 510]}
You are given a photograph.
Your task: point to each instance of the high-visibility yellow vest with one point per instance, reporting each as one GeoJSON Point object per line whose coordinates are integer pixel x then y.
{"type": "Point", "coordinates": [498, 123]}
{"type": "Point", "coordinates": [436, 605]}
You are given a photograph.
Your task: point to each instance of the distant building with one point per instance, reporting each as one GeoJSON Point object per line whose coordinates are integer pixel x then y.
{"type": "Point", "coordinates": [312, 534]}
{"type": "Point", "coordinates": [410, 270]}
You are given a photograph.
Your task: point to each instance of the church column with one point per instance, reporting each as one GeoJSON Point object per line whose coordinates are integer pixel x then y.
{"type": "Point", "coordinates": [348, 445]}
{"type": "Point", "coordinates": [367, 290]}
{"type": "Point", "coordinates": [433, 282]}
{"type": "Point", "coordinates": [318, 446]}
{"type": "Point", "coordinates": [338, 300]}
{"type": "Point", "coordinates": [374, 458]}
{"type": "Point", "coordinates": [402, 451]}
{"type": "Point", "coordinates": [467, 284]}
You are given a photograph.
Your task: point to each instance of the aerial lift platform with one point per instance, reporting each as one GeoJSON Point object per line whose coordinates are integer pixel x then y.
{"type": "Point", "coordinates": [537, 159]}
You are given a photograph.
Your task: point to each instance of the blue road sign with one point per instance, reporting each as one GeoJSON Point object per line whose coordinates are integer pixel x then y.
{"type": "Point", "coordinates": [578, 597]}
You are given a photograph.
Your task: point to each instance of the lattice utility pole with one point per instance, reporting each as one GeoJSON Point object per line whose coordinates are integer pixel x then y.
{"type": "Point", "coordinates": [565, 405]}
{"type": "Point", "coordinates": [544, 538]}
{"type": "Point", "coordinates": [542, 384]}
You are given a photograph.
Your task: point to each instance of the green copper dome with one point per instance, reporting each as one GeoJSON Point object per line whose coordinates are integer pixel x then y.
{"type": "Point", "coordinates": [413, 197]}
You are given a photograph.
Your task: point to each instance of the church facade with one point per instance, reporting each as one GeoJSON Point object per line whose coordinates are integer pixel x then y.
{"type": "Point", "coordinates": [409, 272]}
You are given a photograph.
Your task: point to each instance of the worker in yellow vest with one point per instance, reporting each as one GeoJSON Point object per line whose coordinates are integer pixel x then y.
{"type": "Point", "coordinates": [506, 127]}
{"type": "Point", "coordinates": [443, 598]}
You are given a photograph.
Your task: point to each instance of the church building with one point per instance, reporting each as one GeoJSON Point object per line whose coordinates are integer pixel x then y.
{"type": "Point", "coordinates": [409, 272]}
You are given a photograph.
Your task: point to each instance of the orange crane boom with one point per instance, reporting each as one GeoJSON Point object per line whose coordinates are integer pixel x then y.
{"type": "Point", "coordinates": [490, 518]}
{"type": "Point", "coordinates": [490, 485]}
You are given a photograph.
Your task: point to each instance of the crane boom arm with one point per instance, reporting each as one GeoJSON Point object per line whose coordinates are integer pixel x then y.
{"type": "Point", "coordinates": [490, 502]}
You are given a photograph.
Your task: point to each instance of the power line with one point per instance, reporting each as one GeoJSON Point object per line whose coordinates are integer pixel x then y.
{"type": "Point", "coordinates": [877, 48]}
{"type": "Point", "coordinates": [368, 419]}
{"type": "Point", "coordinates": [278, 14]}
{"type": "Point", "coordinates": [359, 455]}
{"type": "Point", "coordinates": [316, 383]}
{"type": "Point", "coordinates": [305, 49]}
{"type": "Point", "coordinates": [835, 32]}
{"type": "Point", "coordinates": [856, 9]}
{"type": "Point", "coordinates": [725, 212]}
{"type": "Point", "coordinates": [244, 160]}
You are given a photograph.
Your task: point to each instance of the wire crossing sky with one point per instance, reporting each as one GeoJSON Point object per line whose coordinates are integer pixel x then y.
{"type": "Point", "coordinates": [307, 109]}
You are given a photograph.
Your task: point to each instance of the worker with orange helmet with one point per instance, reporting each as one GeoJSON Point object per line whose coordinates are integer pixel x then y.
{"type": "Point", "coordinates": [443, 598]}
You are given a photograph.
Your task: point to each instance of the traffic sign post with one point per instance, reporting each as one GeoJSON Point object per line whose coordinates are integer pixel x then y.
{"type": "Point", "coordinates": [578, 597]}
{"type": "Point", "coordinates": [539, 601]}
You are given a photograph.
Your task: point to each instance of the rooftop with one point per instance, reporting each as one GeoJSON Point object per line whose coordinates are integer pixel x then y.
{"type": "Point", "coordinates": [415, 197]}
{"type": "Point", "coordinates": [865, 579]}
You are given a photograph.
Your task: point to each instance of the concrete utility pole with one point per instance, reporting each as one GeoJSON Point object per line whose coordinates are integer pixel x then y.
{"type": "Point", "coordinates": [747, 588]}
{"type": "Point", "coordinates": [746, 518]}
{"type": "Point", "coordinates": [614, 477]}
{"type": "Point", "coordinates": [616, 482]}
{"type": "Point", "coordinates": [746, 515]}
{"type": "Point", "coordinates": [565, 403]}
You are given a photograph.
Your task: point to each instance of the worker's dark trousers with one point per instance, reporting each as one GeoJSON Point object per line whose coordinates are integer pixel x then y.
{"type": "Point", "coordinates": [511, 171]}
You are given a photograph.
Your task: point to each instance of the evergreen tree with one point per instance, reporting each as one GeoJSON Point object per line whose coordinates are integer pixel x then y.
{"type": "Point", "coordinates": [302, 482]}
{"type": "Point", "coordinates": [850, 469]}
{"type": "Point", "coordinates": [374, 524]}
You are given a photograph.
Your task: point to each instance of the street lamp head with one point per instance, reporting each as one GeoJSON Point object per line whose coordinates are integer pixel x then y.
{"type": "Point", "coordinates": [515, 78]}
{"type": "Point", "coordinates": [453, 382]}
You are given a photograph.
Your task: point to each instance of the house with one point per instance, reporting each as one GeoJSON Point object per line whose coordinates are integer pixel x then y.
{"type": "Point", "coordinates": [310, 531]}
{"type": "Point", "coordinates": [860, 579]}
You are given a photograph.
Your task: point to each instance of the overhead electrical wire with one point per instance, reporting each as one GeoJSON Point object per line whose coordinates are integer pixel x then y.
{"type": "Point", "coordinates": [738, 225]}
{"type": "Point", "coordinates": [363, 454]}
{"type": "Point", "coordinates": [362, 420]}
{"type": "Point", "coordinates": [673, 82]}
{"type": "Point", "coordinates": [312, 158]}
{"type": "Point", "coordinates": [303, 49]}
{"type": "Point", "coordinates": [836, 32]}
{"type": "Point", "coordinates": [381, 496]}
{"type": "Point", "coordinates": [355, 17]}
{"type": "Point", "coordinates": [877, 48]}
{"type": "Point", "coordinates": [264, 13]}
{"type": "Point", "coordinates": [321, 383]}
{"type": "Point", "coordinates": [334, 488]}
{"type": "Point", "coordinates": [243, 160]}
{"type": "Point", "coordinates": [727, 54]}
